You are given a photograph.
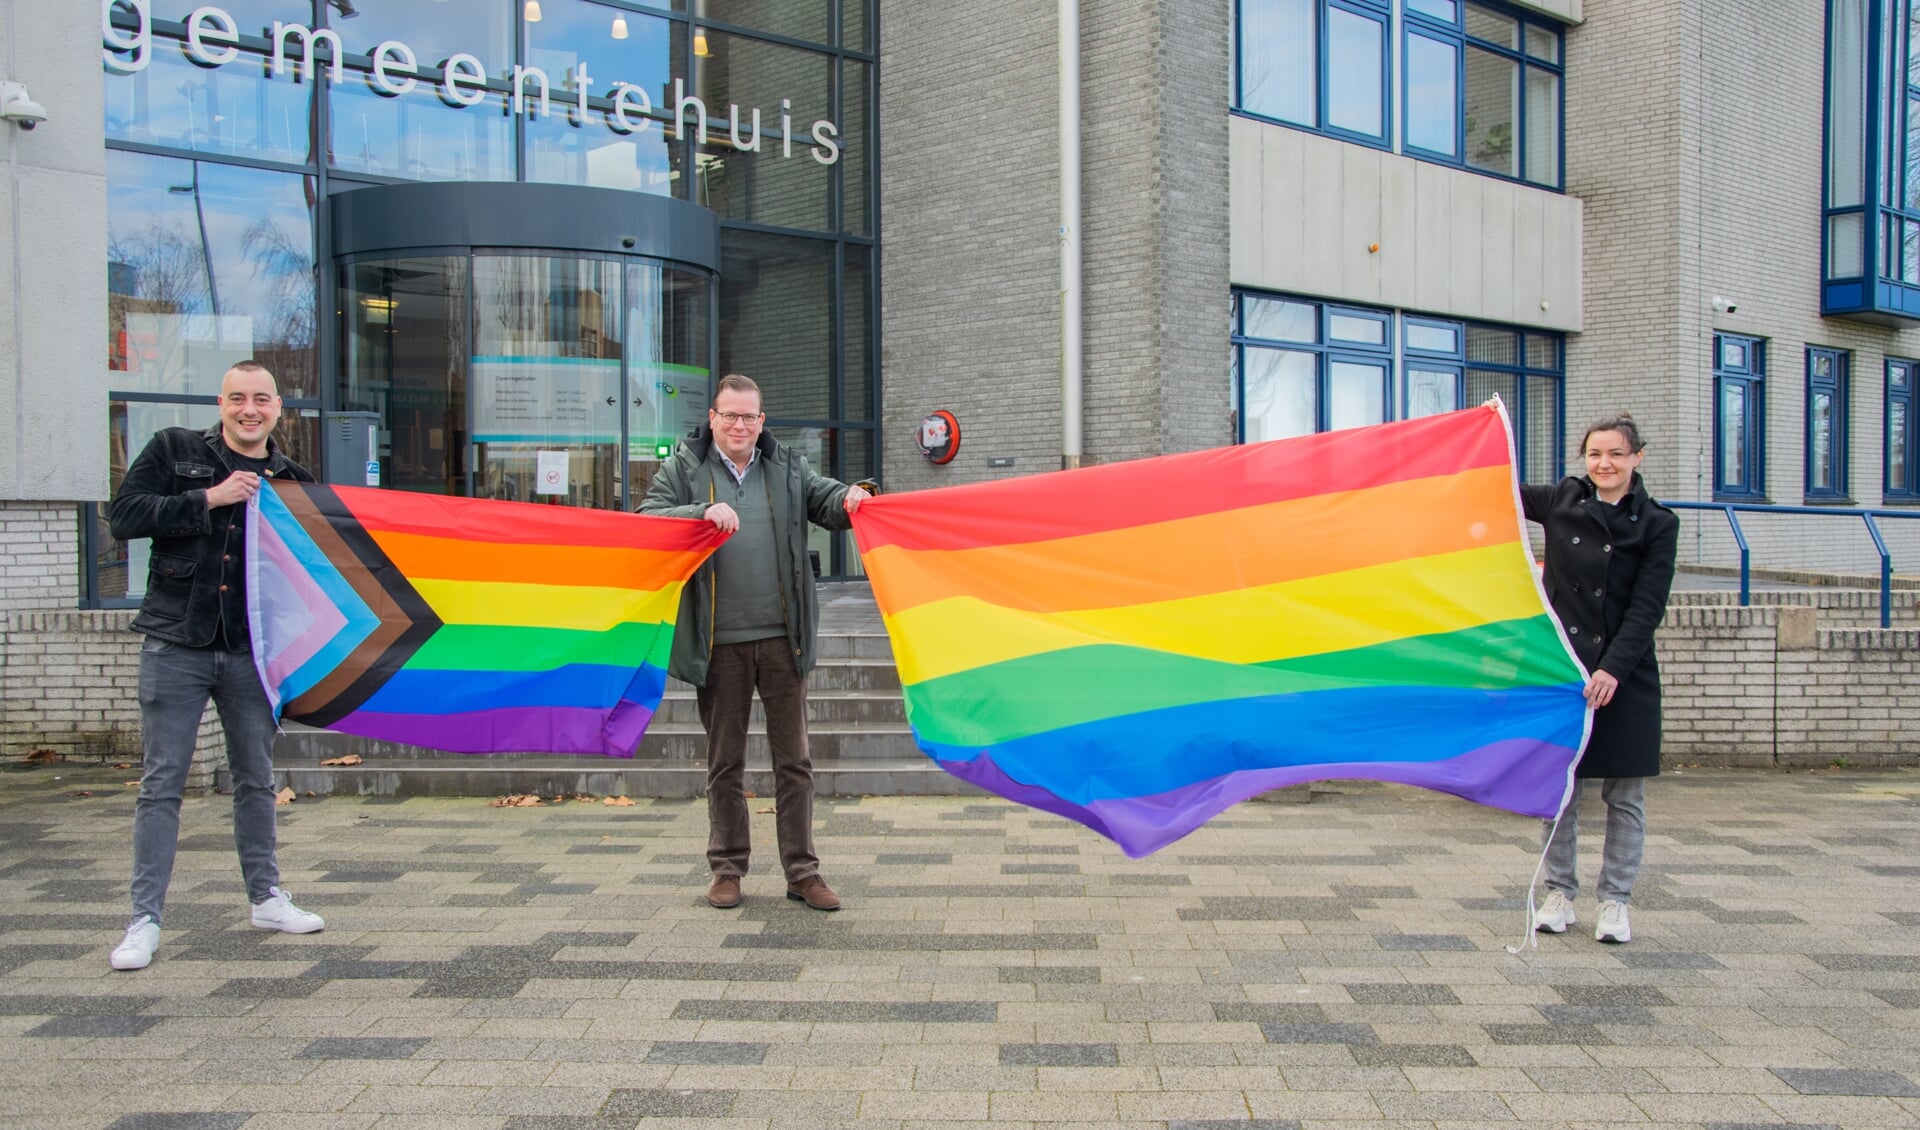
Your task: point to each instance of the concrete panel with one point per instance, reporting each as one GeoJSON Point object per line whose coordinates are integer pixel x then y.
{"type": "Point", "coordinates": [1452, 242]}
{"type": "Point", "coordinates": [57, 442]}
{"type": "Point", "coordinates": [1566, 11]}
{"type": "Point", "coordinates": [56, 53]}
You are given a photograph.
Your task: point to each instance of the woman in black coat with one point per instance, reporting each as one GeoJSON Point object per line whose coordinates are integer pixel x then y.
{"type": "Point", "coordinates": [1610, 560]}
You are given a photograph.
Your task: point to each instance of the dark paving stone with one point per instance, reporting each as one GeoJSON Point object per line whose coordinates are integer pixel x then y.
{"type": "Point", "coordinates": [610, 939]}
{"type": "Point", "coordinates": [300, 953]}
{"type": "Point", "coordinates": [48, 1005]}
{"type": "Point", "coordinates": [1507, 903]}
{"type": "Point", "coordinates": [1049, 975]}
{"type": "Point", "coordinates": [1606, 996]}
{"type": "Point", "coordinates": [1734, 917]}
{"type": "Point", "coordinates": [268, 988]}
{"type": "Point", "coordinates": [227, 1120]}
{"type": "Point", "coordinates": [1899, 998]}
{"type": "Point", "coordinates": [1596, 1014]}
{"type": "Point", "coordinates": [1900, 872]}
{"type": "Point", "coordinates": [474, 988]}
{"type": "Point", "coordinates": [1039, 869]}
{"type": "Point", "coordinates": [46, 865]}
{"type": "Point", "coordinates": [360, 876]}
{"type": "Point", "coordinates": [461, 849]}
{"type": "Point", "coordinates": [1655, 959]}
{"type": "Point", "coordinates": [1867, 962]}
{"type": "Point", "coordinates": [841, 1012]}
{"type": "Point", "coordinates": [975, 814]}
{"type": "Point", "coordinates": [1425, 942]}
{"type": "Point", "coordinates": [1749, 870]}
{"type": "Point", "coordinates": [1781, 849]}
{"type": "Point", "coordinates": [604, 849]}
{"type": "Point", "coordinates": [1056, 887]}
{"type": "Point", "coordinates": [1401, 994]}
{"type": "Point", "coordinates": [1769, 1126]}
{"type": "Point", "coordinates": [566, 1122]}
{"type": "Point", "coordinates": [1059, 1055]}
{"type": "Point", "coordinates": [471, 902]}
{"type": "Point", "coordinates": [915, 942]}
{"type": "Point", "coordinates": [1523, 1034]}
{"type": "Point", "coordinates": [348, 969]}
{"type": "Point", "coordinates": [628, 1105]}
{"type": "Point", "coordinates": [1301, 909]}
{"type": "Point", "coordinates": [81, 890]}
{"type": "Point", "coordinates": [14, 956]}
{"type": "Point", "coordinates": [1359, 891]}
{"type": "Point", "coordinates": [904, 858]}
{"type": "Point", "coordinates": [1241, 1012]}
{"type": "Point", "coordinates": [363, 1047]}
{"type": "Point", "coordinates": [1844, 1081]}
{"type": "Point", "coordinates": [694, 1052]}
{"type": "Point", "coordinates": [1234, 1124]}
{"type": "Point", "coordinates": [19, 923]}
{"type": "Point", "coordinates": [1124, 881]}
{"type": "Point", "coordinates": [1903, 917]}
{"type": "Point", "coordinates": [95, 1026]}
{"type": "Point", "coordinates": [1414, 1055]}
{"type": "Point", "coordinates": [1319, 1034]}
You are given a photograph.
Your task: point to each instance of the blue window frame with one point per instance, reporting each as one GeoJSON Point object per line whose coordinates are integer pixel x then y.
{"type": "Point", "coordinates": [1901, 479]}
{"type": "Point", "coordinates": [1435, 355]}
{"type": "Point", "coordinates": [1318, 65]}
{"type": "Point", "coordinates": [1739, 417]}
{"type": "Point", "coordinates": [1871, 155]}
{"type": "Point", "coordinates": [1826, 462]}
{"type": "Point", "coordinates": [1527, 370]}
{"type": "Point", "coordinates": [1301, 366]}
{"type": "Point", "coordinates": [1483, 88]}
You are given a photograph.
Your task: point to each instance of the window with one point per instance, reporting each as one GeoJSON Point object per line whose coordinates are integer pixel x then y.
{"type": "Point", "coordinates": [1317, 64]}
{"type": "Point", "coordinates": [1902, 481]}
{"type": "Point", "coordinates": [1481, 88]}
{"type": "Point", "coordinates": [1435, 353]}
{"type": "Point", "coordinates": [1871, 182]}
{"type": "Point", "coordinates": [1739, 417]}
{"type": "Point", "coordinates": [1527, 370]}
{"type": "Point", "coordinates": [1826, 423]}
{"type": "Point", "coordinates": [1302, 367]}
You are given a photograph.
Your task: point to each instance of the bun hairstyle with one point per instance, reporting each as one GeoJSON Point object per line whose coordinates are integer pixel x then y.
{"type": "Point", "coordinates": [1621, 422]}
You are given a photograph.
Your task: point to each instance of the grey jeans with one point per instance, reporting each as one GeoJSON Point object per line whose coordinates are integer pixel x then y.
{"type": "Point", "coordinates": [175, 683]}
{"type": "Point", "coordinates": [734, 673]}
{"type": "Point", "coordinates": [1626, 799]}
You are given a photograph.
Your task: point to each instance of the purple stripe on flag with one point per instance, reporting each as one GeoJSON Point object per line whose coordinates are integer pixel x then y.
{"type": "Point", "coordinates": [544, 729]}
{"type": "Point", "coordinates": [1521, 775]}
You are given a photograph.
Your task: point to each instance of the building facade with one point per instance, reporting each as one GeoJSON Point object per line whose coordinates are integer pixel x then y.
{"type": "Point", "coordinates": [470, 235]}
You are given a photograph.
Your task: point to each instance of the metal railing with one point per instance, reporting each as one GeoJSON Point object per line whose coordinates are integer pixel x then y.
{"type": "Point", "coordinates": [1733, 509]}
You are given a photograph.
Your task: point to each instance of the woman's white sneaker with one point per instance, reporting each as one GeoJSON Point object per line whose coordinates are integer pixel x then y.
{"type": "Point", "coordinates": [135, 951]}
{"type": "Point", "coordinates": [1613, 925]}
{"type": "Point", "coordinates": [277, 912]}
{"type": "Point", "coordinates": [1555, 914]}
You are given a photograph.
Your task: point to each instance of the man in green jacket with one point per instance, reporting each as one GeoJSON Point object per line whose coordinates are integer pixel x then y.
{"type": "Point", "coordinates": [747, 622]}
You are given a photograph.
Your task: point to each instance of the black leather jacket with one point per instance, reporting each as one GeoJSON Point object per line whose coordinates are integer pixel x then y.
{"type": "Point", "coordinates": [164, 497]}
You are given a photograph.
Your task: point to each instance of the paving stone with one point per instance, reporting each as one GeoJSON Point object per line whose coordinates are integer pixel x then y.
{"type": "Point", "coordinates": [1422, 942]}
{"type": "Point", "coordinates": [82, 1025]}
{"type": "Point", "coordinates": [1319, 1034]}
{"type": "Point", "coordinates": [1048, 975]}
{"type": "Point", "coordinates": [166, 1120]}
{"type": "Point", "coordinates": [1413, 1055]}
{"type": "Point", "coordinates": [1389, 993]}
{"type": "Point", "coordinates": [1059, 1055]}
{"type": "Point", "coordinates": [362, 1047]}
{"type": "Point", "coordinates": [1824, 1081]}
{"type": "Point", "coordinates": [691, 1052]}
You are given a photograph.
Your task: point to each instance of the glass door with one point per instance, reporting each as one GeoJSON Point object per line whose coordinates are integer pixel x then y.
{"type": "Point", "coordinates": [667, 373]}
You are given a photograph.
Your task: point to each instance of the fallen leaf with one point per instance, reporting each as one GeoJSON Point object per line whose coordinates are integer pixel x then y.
{"type": "Point", "coordinates": [752, 795]}
{"type": "Point", "coordinates": [284, 796]}
{"type": "Point", "coordinates": [619, 802]}
{"type": "Point", "coordinates": [310, 792]}
{"type": "Point", "coordinates": [764, 811]}
{"type": "Point", "coordinates": [81, 793]}
{"type": "Point", "coordinates": [123, 765]}
{"type": "Point", "coordinates": [132, 784]}
{"type": "Point", "coordinates": [44, 755]}
{"type": "Point", "coordinates": [349, 759]}
{"type": "Point", "coordinates": [515, 800]}
{"type": "Point", "coordinates": [528, 801]}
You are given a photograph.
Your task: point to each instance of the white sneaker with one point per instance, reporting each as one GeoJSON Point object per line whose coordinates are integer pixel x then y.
{"type": "Point", "coordinates": [1613, 923]}
{"type": "Point", "coordinates": [135, 951]}
{"type": "Point", "coordinates": [277, 912]}
{"type": "Point", "coordinates": [1555, 914]}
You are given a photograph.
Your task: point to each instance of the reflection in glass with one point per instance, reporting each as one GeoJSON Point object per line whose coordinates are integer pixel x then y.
{"type": "Point", "coordinates": [1495, 347]}
{"type": "Point", "coordinates": [1897, 447]}
{"type": "Point", "coordinates": [1431, 392]}
{"type": "Point", "coordinates": [569, 147]}
{"type": "Point", "coordinates": [417, 135]}
{"type": "Point", "coordinates": [1281, 394]}
{"type": "Point", "coordinates": [1482, 383]}
{"type": "Point", "coordinates": [1543, 351]}
{"type": "Point", "coordinates": [1543, 431]}
{"type": "Point", "coordinates": [1493, 97]}
{"type": "Point", "coordinates": [1279, 60]}
{"type": "Point", "coordinates": [1543, 126]}
{"type": "Point", "coordinates": [854, 217]}
{"type": "Point", "coordinates": [403, 353]}
{"type": "Point", "coordinates": [546, 379]}
{"type": "Point", "coordinates": [776, 319]}
{"type": "Point", "coordinates": [1733, 354]}
{"type": "Point", "coordinates": [1443, 10]}
{"type": "Point", "coordinates": [1433, 339]}
{"type": "Point", "coordinates": [1492, 26]}
{"type": "Point", "coordinates": [780, 183]}
{"type": "Point", "coordinates": [853, 25]}
{"type": "Point", "coordinates": [1733, 434]}
{"type": "Point", "coordinates": [795, 19]}
{"type": "Point", "coordinates": [667, 377]}
{"type": "Point", "coordinates": [236, 109]}
{"type": "Point", "coordinates": [1355, 56]}
{"type": "Point", "coordinates": [1543, 44]}
{"type": "Point", "coordinates": [1820, 470]}
{"type": "Point", "coordinates": [1433, 98]}
{"type": "Point", "coordinates": [1356, 395]}
{"type": "Point", "coordinates": [1346, 327]}
{"type": "Point", "coordinates": [207, 265]}
{"type": "Point", "coordinates": [859, 402]}
{"type": "Point", "coordinates": [1278, 320]}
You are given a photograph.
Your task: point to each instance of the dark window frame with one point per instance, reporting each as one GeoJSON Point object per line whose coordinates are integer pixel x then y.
{"type": "Point", "coordinates": [1327, 351]}
{"type": "Point", "coordinates": [1456, 34]}
{"type": "Point", "coordinates": [1892, 490]}
{"type": "Point", "coordinates": [1835, 385]}
{"type": "Point", "coordinates": [1380, 11]}
{"type": "Point", "coordinates": [1751, 378]}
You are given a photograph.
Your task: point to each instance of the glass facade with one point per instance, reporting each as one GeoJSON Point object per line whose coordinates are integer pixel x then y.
{"type": "Point", "coordinates": [223, 155]}
{"type": "Point", "coordinates": [1871, 181]}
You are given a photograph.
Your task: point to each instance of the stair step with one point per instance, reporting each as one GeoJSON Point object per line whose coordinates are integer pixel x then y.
{"type": "Point", "coordinates": [671, 742]}
{"type": "Point", "coordinates": [824, 707]}
{"type": "Point", "coordinates": [586, 776]}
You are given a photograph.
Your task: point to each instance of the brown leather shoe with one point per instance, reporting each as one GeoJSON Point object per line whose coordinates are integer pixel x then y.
{"type": "Point", "coordinates": [725, 892]}
{"type": "Point", "coordinates": [813, 891]}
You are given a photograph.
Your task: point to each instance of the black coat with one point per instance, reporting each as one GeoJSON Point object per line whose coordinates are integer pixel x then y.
{"type": "Point", "coordinates": [1608, 572]}
{"type": "Point", "coordinates": [197, 555]}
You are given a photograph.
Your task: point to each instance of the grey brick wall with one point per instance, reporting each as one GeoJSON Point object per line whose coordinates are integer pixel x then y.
{"type": "Point", "coordinates": [39, 555]}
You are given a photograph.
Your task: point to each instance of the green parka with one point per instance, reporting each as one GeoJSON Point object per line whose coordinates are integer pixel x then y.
{"type": "Point", "coordinates": [686, 486]}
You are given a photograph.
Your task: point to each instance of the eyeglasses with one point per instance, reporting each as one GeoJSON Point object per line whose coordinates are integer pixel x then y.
{"type": "Point", "coordinates": [732, 418]}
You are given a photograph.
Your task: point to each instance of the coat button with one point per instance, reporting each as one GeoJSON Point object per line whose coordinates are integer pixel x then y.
{"type": "Point", "coordinates": [1606, 549]}
{"type": "Point", "coordinates": [223, 588]}
{"type": "Point", "coordinates": [1575, 631]}
{"type": "Point", "coordinates": [1599, 592]}
{"type": "Point", "coordinates": [1576, 539]}
{"type": "Point", "coordinates": [227, 557]}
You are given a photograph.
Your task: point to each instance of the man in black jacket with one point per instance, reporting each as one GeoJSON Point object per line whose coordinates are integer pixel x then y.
{"type": "Point", "coordinates": [188, 491]}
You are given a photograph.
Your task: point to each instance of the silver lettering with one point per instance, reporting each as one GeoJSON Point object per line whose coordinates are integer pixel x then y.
{"type": "Point", "coordinates": [463, 71]}
{"type": "Point", "coordinates": [211, 34]}
{"type": "Point", "coordinates": [520, 76]}
{"type": "Point", "coordinates": [309, 41]}
{"type": "Point", "coordinates": [386, 57]}
{"type": "Point", "coordinates": [828, 150]}
{"type": "Point", "coordinates": [627, 96]}
{"type": "Point", "coordinates": [681, 100]}
{"type": "Point", "coordinates": [733, 129]}
{"type": "Point", "coordinates": [582, 82]}
{"type": "Point", "coordinates": [113, 41]}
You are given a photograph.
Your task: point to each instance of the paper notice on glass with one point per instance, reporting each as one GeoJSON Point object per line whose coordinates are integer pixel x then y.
{"type": "Point", "coordinates": [550, 473]}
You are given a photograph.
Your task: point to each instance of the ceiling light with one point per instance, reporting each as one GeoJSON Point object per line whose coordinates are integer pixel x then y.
{"type": "Point", "coordinates": [619, 27]}
{"type": "Point", "coordinates": [533, 11]}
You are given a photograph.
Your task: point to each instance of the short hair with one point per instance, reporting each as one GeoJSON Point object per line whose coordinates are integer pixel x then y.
{"type": "Point", "coordinates": [1621, 422]}
{"type": "Point", "coordinates": [734, 382]}
{"type": "Point", "coordinates": [249, 366]}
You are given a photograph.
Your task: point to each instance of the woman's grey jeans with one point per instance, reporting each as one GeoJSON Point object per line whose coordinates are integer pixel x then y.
{"type": "Point", "coordinates": [175, 683]}
{"type": "Point", "coordinates": [1626, 799]}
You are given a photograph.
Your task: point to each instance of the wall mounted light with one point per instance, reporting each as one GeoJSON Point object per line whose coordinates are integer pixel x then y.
{"type": "Point", "coordinates": [533, 11]}
{"type": "Point", "coordinates": [619, 27]}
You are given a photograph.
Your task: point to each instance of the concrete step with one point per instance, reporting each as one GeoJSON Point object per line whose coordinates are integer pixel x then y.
{"type": "Point", "coordinates": [676, 743]}
{"type": "Point", "coordinates": [680, 706]}
{"type": "Point", "coordinates": [600, 777]}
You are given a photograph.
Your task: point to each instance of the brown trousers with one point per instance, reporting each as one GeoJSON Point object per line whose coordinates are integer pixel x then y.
{"type": "Point", "coordinates": [735, 671]}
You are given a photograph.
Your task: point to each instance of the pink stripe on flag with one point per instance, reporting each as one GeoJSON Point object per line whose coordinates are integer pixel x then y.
{"type": "Point", "coordinates": [307, 605]}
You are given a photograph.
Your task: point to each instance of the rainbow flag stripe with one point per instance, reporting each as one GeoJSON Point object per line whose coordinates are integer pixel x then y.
{"type": "Point", "coordinates": [1142, 645]}
{"type": "Point", "coordinates": [465, 624]}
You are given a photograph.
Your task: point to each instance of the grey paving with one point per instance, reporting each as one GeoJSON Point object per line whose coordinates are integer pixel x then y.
{"type": "Point", "coordinates": [1333, 964]}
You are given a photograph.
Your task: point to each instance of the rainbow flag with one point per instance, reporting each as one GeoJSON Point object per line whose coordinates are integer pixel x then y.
{"type": "Point", "coordinates": [465, 624]}
{"type": "Point", "coordinates": [1142, 645]}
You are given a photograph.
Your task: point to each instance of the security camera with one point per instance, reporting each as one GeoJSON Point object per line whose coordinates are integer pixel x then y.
{"type": "Point", "coordinates": [1725, 305]}
{"type": "Point", "coordinates": [16, 107]}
